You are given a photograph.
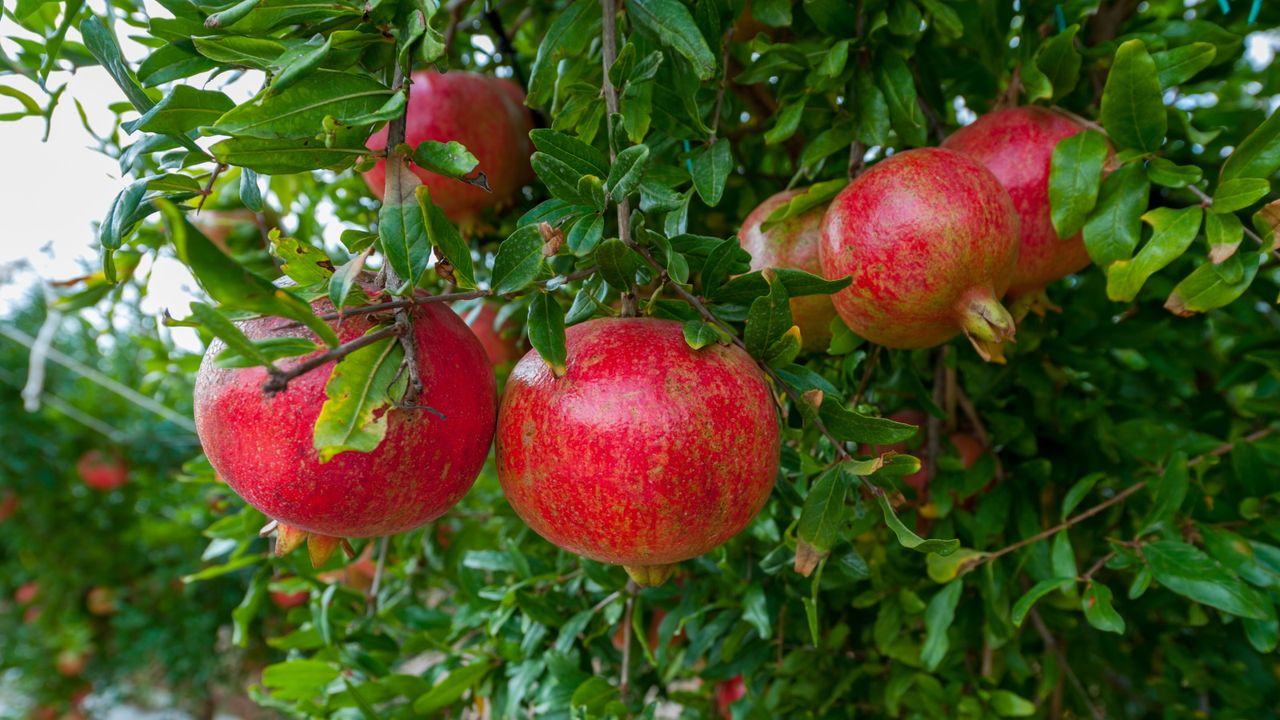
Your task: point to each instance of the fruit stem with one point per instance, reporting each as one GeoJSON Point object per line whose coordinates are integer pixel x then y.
{"type": "Point", "coordinates": [986, 323]}
{"type": "Point", "coordinates": [650, 575]}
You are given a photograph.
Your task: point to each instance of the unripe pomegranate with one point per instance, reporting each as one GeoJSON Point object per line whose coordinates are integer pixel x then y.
{"type": "Point", "coordinates": [8, 504]}
{"type": "Point", "coordinates": [1016, 145]}
{"type": "Point", "coordinates": [263, 446]}
{"type": "Point", "coordinates": [483, 114]}
{"type": "Point", "coordinates": [502, 343]}
{"type": "Point", "coordinates": [930, 239]}
{"type": "Point", "coordinates": [792, 243]}
{"type": "Point", "coordinates": [102, 471]}
{"type": "Point", "coordinates": [101, 601]}
{"type": "Point", "coordinates": [727, 693]}
{"type": "Point", "coordinates": [645, 452]}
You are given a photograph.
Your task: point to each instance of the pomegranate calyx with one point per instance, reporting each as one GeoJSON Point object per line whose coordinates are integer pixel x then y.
{"type": "Point", "coordinates": [321, 547]}
{"type": "Point", "coordinates": [986, 323]}
{"type": "Point", "coordinates": [288, 538]}
{"type": "Point", "coordinates": [650, 575]}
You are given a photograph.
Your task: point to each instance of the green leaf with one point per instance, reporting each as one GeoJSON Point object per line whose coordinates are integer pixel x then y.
{"type": "Point", "coordinates": [1132, 108]}
{"type": "Point", "coordinates": [1098, 609]}
{"type": "Point", "coordinates": [289, 155]}
{"type": "Point", "coordinates": [585, 235]}
{"type": "Point", "coordinates": [943, 569]}
{"type": "Point", "coordinates": [302, 262]}
{"type": "Point", "coordinates": [1060, 62]}
{"type": "Point", "coordinates": [1258, 155]}
{"type": "Point", "coordinates": [444, 236]}
{"type": "Point", "coordinates": [546, 331]}
{"type": "Point", "coordinates": [1263, 635]}
{"type": "Point", "coordinates": [895, 80]}
{"type": "Point", "coordinates": [358, 395]}
{"type": "Point", "coordinates": [232, 285]}
{"type": "Point", "coordinates": [250, 193]}
{"type": "Point", "coordinates": [229, 333]}
{"type": "Point", "coordinates": [181, 110]}
{"type": "Point", "coordinates": [1186, 570]}
{"type": "Point", "coordinates": [252, 52]}
{"type": "Point", "coordinates": [297, 63]}
{"type": "Point", "coordinates": [450, 690]}
{"type": "Point", "coordinates": [745, 288]}
{"type": "Point", "coordinates": [627, 171]}
{"type": "Point", "coordinates": [1075, 172]}
{"type": "Point", "coordinates": [699, 334]}
{"type": "Point", "coordinates": [618, 263]}
{"type": "Point", "coordinates": [938, 617]}
{"type": "Point", "coordinates": [768, 318]}
{"type": "Point", "coordinates": [784, 350]}
{"type": "Point", "coordinates": [823, 516]}
{"type": "Point", "coordinates": [1166, 173]}
{"type": "Point", "coordinates": [1062, 556]}
{"type": "Point", "coordinates": [1039, 590]}
{"type": "Point", "coordinates": [1205, 288]}
{"type": "Point", "coordinates": [871, 111]}
{"type": "Point", "coordinates": [1113, 229]}
{"type": "Point", "coordinates": [910, 540]}
{"type": "Point", "coordinates": [814, 196]}
{"type": "Point", "coordinates": [450, 159]}
{"type": "Point", "coordinates": [1169, 490]}
{"type": "Point", "coordinates": [271, 348]}
{"type": "Point", "coordinates": [298, 679]}
{"type": "Point", "coordinates": [727, 258]}
{"type": "Point", "coordinates": [567, 36]}
{"type": "Point", "coordinates": [787, 122]}
{"type": "Point", "coordinates": [1174, 232]}
{"type": "Point", "coordinates": [594, 696]}
{"type": "Point", "coordinates": [1224, 233]}
{"type": "Point", "coordinates": [1180, 64]}
{"type": "Point", "coordinates": [518, 262]}
{"type": "Point", "coordinates": [300, 110]}
{"type": "Point", "coordinates": [834, 61]}
{"type": "Point", "coordinates": [670, 23]}
{"type": "Point", "coordinates": [244, 613]}
{"type": "Point", "coordinates": [710, 171]}
{"type": "Point", "coordinates": [560, 178]}
{"type": "Point", "coordinates": [1007, 704]}
{"type": "Point", "coordinates": [835, 139]}
{"type": "Point", "coordinates": [851, 426]}
{"type": "Point", "coordinates": [585, 159]}
{"type": "Point", "coordinates": [401, 233]}
{"type": "Point", "coordinates": [1239, 193]}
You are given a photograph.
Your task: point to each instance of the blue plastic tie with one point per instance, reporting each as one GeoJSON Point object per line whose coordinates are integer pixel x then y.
{"type": "Point", "coordinates": [1253, 11]}
{"type": "Point", "coordinates": [688, 162]}
{"type": "Point", "coordinates": [1224, 6]}
{"type": "Point", "coordinates": [1060, 17]}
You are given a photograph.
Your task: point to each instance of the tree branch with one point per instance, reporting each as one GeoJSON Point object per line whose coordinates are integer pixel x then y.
{"type": "Point", "coordinates": [608, 54]}
{"type": "Point", "coordinates": [278, 380]}
{"type": "Point", "coordinates": [1052, 644]}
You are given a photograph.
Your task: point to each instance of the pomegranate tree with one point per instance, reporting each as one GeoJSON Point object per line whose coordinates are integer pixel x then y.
{"type": "Point", "coordinates": [263, 446]}
{"type": "Point", "coordinates": [645, 452]}
{"type": "Point", "coordinates": [1016, 145]}
{"type": "Point", "coordinates": [485, 114]}
{"type": "Point", "coordinates": [792, 243]}
{"type": "Point", "coordinates": [102, 471]}
{"type": "Point", "coordinates": [930, 240]}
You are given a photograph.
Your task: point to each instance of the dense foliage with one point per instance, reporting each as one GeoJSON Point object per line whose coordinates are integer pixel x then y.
{"type": "Point", "coordinates": [1113, 552]}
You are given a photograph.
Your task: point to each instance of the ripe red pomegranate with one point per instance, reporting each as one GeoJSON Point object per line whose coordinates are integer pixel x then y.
{"type": "Point", "coordinates": [792, 243]}
{"type": "Point", "coordinates": [263, 447]}
{"type": "Point", "coordinates": [502, 343]}
{"type": "Point", "coordinates": [8, 504]}
{"type": "Point", "coordinates": [102, 471]}
{"type": "Point", "coordinates": [486, 115]}
{"type": "Point", "coordinates": [1016, 145]}
{"type": "Point", "coordinates": [101, 601]}
{"type": "Point", "coordinates": [645, 453]}
{"type": "Point", "coordinates": [930, 239]}
{"type": "Point", "coordinates": [286, 600]}
{"type": "Point", "coordinates": [727, 693]}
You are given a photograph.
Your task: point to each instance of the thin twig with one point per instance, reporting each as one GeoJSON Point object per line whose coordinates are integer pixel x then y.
{"type": "Point", "coordinates": [1206, 201]}
{"type": "Point", "coordinates": [724, 85]}
{"type": "Point", "coordinates": [970, 412]}
{"type": "Point", "coordinates": [278, 380]}
{"type": "Point", "coordinates": [208, 188]}
{"type": "Point", "coordinates": [866, 375]}
{"type": "Point", "coordinates": [1088, 575]}
{"type": "Point", "coordinates": [605, 602]}
{"type": "Point", "coordinates": [454, 9]}
{"type": "Point", "coordinates": [608, 54]}
{"type": "Point", "coordinates": [933, 425]}
{"type": "Point", "coordinates": [377, 576]}
{"type": "Point", "coordinates": [1052, 643]}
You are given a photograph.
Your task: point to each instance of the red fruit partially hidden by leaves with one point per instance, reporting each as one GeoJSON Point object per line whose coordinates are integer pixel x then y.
{"type": "Point", "coordinates": [482, 113]}
{"type": "Point", "coordinates": [286, 600]}
{"type": "Point", "coordinates": [31, 615]}
{"type": "Point", "coordinates": [727, 693]}
{"type": "Point", "coordinates": [70, 663]}
{"type": "Point", "coordinates": [8, 504]}
{"type": "Point", "coordinates": [968, 446]}
{"type": "Point", "coordinates": [646, 452]}
{"type": "Point", "coordinates": [263, 447]}
{"type": "Point", "coordinates": [920, 478]}
{"type": "Point", "coordinates": [102, 471]}
{"type": "Point", "coordinates": [502, 342]}
{"type": "Point", "coordinates": [26, 592]}
{"type": "Point", "coordinates": [930, 239]}
{"type": "Point", "coordinates": [101, 601]}
{"type": "Point", "coordinates": [792, 243]}
{"type": "Point", "coordinates": [1016, 145]}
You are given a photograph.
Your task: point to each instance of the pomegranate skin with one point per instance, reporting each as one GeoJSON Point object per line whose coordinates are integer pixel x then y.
{"type": "Point", "coordinates": [793, 244]}
{"type": "Point", "coordinates": [263, 447]}
{"type": "Point", "coordinates": [646, 452]}
{"type": "Point", "coordinates": [482, 114]}
{"type": "Point", "coordinates": [930, 239]}
{"type": "Point", "coordinates": [1016, 145]}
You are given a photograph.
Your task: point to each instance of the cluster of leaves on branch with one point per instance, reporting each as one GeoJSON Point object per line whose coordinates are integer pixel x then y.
{"type": "Point", "coordinates": [1115, 550]}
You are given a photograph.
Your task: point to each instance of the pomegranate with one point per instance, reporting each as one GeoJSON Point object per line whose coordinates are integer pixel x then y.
{"type": "Point", "coordinates": [729, 692]}
{"type": "Point", "coordinates": [792, 243]}
{"type": "Point", "coordinates": [70, 663]}
{"type": "Point", "coordinates": [8, 504]}
{"type": "Point", "coordinates": [101, 601]}
{"type": "Point", "coordinates": [967, 446]}
{"type": "Point", "coordinates": [1016, 145]}
{"type": "Point", "coordinates": [102, 471]}
{"type": "Point", "coordinates": [930, 239]}
{"type": "Point", "coordinates": [488, 117]}
{"type": "Point", "coordinates": [645, 453]}
{"type": "Point", "coordinates": [502, 343]}
{"type": "Point", "coordinates": [263, 446]}
{"type": "Point", "coordinates": [26, 592]}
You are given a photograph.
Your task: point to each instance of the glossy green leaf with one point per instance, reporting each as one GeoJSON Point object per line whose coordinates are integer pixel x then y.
{"type": "Point", "coordinates": [909, 539]}
{"type": "Point", "coordinates": [895, 80]}
{"type": "Point", "coordinates": [1258, 155]}
{"type": "Point", "coordinates": [401, 233]}
{"type": "Point", "coordinates": [768, 318]}
{"type": "Point", "coordinates": [1038, 591]}
{"type": "Point", "coordinates": [1060, 62]}
{"type": "Point", "coordinates": [585, 159]}
{"type": "Point", "coordinates": [443, 235]}
{"type": "Point", "coordinates": [182, 110]}
{"type": "Point", "coordinates": [286, 156]}
{"type": "Point", "coordinates": [297, 63]}
{"type": "Point", "coordinates": [1098, 609]}
{"type": "Point", "coordinates": [1132, 107]}
{"type": "Point", "coordinates": [1168, 174]}
{"type": "Point", "coordinates": [1239, 193]}
{"type": "Point", "coordinates": [1205, 288]}
{"type": "Point", "coordinates": [450, 159]}
{"type": "Point", "coordinates": [546, 331]}
{"type": "Point", "coordinates": [1186, 570]}
{"type": "Point", "coordinates": [671, 24]}
{"type": "Point", "coordinates": [1180, 64]}
{"type": "Point", "coordinates": [618, 263]}
{"type": "Point", "coordinates": [822, 518]}
{"type": "Point", "coordinates": [299, 111]}
{"type": "Point", "coordinates": [519, 261]}
{"type": "Point", "coordinates": [1075, 172]}
{"type": "Point", "coordinates": [452, 687]}
{"type": "Point", "coordinates": [852, 426]}
{"type": "Point", "coordinates": [354, 415]}
{"type": "Point", "coordinates": [298, 679]}
{"type": "Point", "coordinates": [627, 171]}
{"type": "Point", "coordinates": [1174, 232]}
{"type": "Point", "coordinates": [711, 169]}
{"type": "Point", "coordinates": [815, 196]}
{"type": "Point", "coordinates": [745, 288]}
{"type": "Point", "coordinates": [938, 616]}
{"type": "Point", "coordinates": [1114, 227]}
